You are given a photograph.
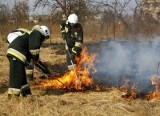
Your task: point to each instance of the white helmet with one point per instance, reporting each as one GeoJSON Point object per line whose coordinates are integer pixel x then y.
{"type": "Point", "coordinates": [45, 31]}
{"type": "Point", "coordinates": [73, 18]}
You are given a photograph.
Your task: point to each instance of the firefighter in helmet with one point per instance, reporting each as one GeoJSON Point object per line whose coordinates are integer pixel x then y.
{"type": "Point", "coordinates": [72, 34]}
{"type": "Point", "coordinates": [29, 64]}
{"type": "Point", "coordinates": [25, 47]}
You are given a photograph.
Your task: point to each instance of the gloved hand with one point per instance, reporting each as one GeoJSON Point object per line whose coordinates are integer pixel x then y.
{"type": "Point", "coordinates": [76, 50]}
{"type": "Point", "coordinates": [29, 63]}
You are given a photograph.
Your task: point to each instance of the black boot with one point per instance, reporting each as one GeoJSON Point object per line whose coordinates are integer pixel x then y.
{"type": "Point", "coordinates": [30, 77]}
{"type": "Point", "coordinates": [26, 92]}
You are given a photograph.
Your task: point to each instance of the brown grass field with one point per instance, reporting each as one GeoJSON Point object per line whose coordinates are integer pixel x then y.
{"type": "Point", "coordinates": [45, 102]}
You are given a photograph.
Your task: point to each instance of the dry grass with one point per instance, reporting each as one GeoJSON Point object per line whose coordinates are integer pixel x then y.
{"type": "Point", "coordinates": [59, 103]}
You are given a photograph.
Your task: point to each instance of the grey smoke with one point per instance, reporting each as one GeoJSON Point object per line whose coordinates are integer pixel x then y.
{"type": "Point", "coordinates": [121, 60]}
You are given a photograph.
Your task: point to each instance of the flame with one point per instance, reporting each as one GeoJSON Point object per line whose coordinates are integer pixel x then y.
{"type": "Point", "coordinates": [128, 93]}
{"type": "Point", "coordinates": [156, 94]}
{"type": "Point", "coordinates": [124, 88]}
{"type": "Point", "coordinates": [76, 79]}
{"type": "Point", "coordinates": [132, 93]}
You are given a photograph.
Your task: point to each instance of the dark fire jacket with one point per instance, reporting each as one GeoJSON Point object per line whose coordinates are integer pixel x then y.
{"type": "Point", "coordinates": [26, 46]}
{"type": "Point", "coordinates": [73, 36]}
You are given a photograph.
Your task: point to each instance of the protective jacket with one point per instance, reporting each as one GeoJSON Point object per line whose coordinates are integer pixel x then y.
{"type": "Point", "coordinates": [73, 36]}
{"type": "Point", "coordinates": [26, 46]}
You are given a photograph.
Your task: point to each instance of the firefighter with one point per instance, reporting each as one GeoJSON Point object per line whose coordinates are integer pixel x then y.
{"type": "Point", "coordinates": [22, 49]}
{"type": "Point", "coordinates": [29, 64]}
{"type": "Point", "coordinates": [72, 34]}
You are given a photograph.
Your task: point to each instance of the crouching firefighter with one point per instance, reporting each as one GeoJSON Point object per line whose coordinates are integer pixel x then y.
{"type": "Point", "coordinates": [24, 48]}
{"type": "Point", "coordinates": [29, 64]}
{"type": "Point", "coordinates": [72, 34]}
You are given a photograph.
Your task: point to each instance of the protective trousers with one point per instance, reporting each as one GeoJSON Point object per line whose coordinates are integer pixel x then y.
{"type": "Point", "coordinates": [30, 70]}
{"type": "Point", "coordinates": [17, 79]}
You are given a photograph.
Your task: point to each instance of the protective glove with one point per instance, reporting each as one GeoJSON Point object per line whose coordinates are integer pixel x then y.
{"type": "Point", "coordinates": [29, 63]}
{"type": "Point", "coordinates": [76, 50]}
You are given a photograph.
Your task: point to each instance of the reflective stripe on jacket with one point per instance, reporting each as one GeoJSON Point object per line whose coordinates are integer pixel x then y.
{"type": "Point", "coordinates": [17, 54]}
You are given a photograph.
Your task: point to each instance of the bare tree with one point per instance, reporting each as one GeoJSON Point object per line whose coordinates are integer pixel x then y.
{"type": "Point", "coordinates": [136, 20]}
{"type": "Point", "coordinates": [64, 6]}
{"type": "Point", "coordinates": [4, 14]}
{"type": "Point", "coordinates": [20, 10]}
{"type": "Point", "coordinates": [114, 10]}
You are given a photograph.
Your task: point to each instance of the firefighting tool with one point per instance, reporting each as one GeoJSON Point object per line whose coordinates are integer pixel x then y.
{"type": "Point", "coordinates": [77, 80]}
{"type": "Point", "coordinates": [40, 66]}
{"type": "Point", "coordinates": [46, 74]}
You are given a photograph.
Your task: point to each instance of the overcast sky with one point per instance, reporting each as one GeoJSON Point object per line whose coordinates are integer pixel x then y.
{"type": "Point", "coordinates": [38, 11]}
{"type": "Point", "coordinates": [46, 10]}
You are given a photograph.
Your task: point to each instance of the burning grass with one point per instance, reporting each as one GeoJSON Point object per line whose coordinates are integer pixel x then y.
{"type": "Point", "coordinates": [69, 82]}
{"type": "Point", "coordinates": [79, 78]}
{"type": "Point", "coordinates": [155, 95]}
{"type": "Point", "coordinates": [92, 99]}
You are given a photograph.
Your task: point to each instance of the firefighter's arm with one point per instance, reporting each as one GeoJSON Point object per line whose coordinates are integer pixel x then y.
{"type": "Point", "coordinates": [63, 31]}
{"type": "Point", "coordinates": [78, 43]}
{"type": "Point", "coordinates": [35, 42]}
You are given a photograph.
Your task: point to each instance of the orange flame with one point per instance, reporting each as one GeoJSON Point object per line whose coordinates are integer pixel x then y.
{"type": "Point", "coordinates": [82, 72]}
{"type": "Point", "coordinates": [132, 93]}
{"type": "Point", "coordinates": [156, 94]}
{"type": "Point", "coordinates": [128, 93]}
{"type": "Point", "coordinates": [124, 88]}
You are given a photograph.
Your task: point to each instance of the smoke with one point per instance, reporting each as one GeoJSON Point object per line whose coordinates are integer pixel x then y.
{"type": "Point", "coordinates": [121, 60]}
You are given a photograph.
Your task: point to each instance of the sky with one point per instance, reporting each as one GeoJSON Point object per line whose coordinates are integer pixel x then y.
{"type": "Point", "coordinates": [46, 10]}
{"type": "Point", "coordinates": [37, 11]}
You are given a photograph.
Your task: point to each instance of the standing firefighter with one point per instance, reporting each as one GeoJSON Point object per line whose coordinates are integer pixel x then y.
{"type": "Point", "coordinates": [25, 47]}
{"type": "Point", "coordinates": [72, 34]}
